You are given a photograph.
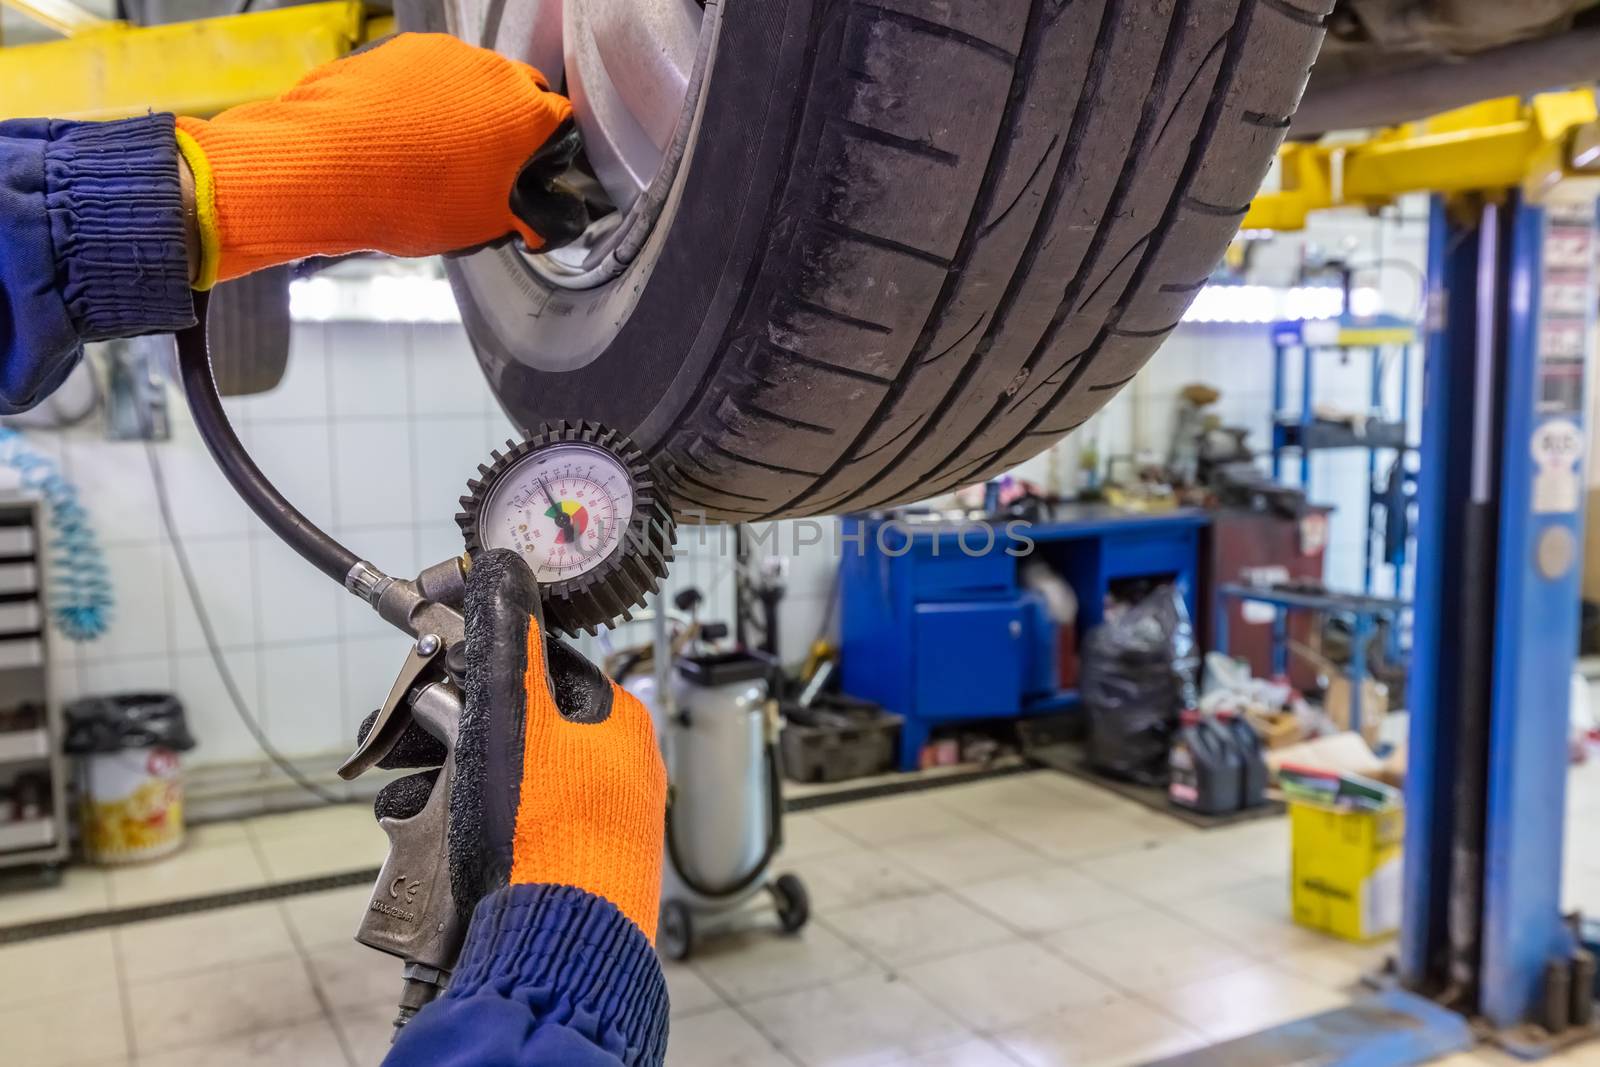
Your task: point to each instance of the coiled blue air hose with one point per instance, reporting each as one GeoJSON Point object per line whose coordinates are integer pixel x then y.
{"type": "Point", "coordinates": [80, 586]}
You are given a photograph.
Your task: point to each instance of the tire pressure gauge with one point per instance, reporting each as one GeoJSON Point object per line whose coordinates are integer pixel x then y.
{"type": "Point", "coordinates": [582, 506]}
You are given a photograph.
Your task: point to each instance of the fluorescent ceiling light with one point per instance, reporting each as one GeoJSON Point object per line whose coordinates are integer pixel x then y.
{"type": "Point", "coordinates": [1265, 304]}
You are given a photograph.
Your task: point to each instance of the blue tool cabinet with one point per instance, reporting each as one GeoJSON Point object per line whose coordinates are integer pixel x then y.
{"type": "Point", "coordinates": [937, 626]}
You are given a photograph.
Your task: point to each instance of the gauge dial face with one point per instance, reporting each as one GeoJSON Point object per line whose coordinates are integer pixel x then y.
{"type": "Point", "coordinates": [565, 508]}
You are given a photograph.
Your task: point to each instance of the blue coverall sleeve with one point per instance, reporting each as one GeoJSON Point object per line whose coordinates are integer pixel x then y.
{"type": "Point", "coordinates": [91, 244]}
{"type": "Point", "coordinates": [550, 976]}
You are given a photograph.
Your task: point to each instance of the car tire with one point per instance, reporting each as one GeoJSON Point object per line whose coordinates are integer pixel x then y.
{"type": "Point", "coordinates": [911, 243]}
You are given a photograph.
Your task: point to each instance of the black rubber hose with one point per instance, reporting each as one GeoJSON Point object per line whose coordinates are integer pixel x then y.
{"type": "Point", "coordinates": [769, 850]}
{"type": "Point", "coordinates": [281, 517]}
{"type": "Point", "coordinates": [1471, 667]}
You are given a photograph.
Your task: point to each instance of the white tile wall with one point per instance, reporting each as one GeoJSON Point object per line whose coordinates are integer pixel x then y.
{"type": "Point", "coordinates": [139, 621]}
{"type": "Point", "coordinates": [298, 458]}
{"type": "Point", "coordinates": [374, 432]}
{"type": "Point", "coordinates": [224, 567]}
{"type": "Point", "coordinates": [203, 504]}
{"type": "Point", "coordinates": [369, 369]}
{"type": "Point", "coordinates": [124, 675]}
{"type": "Point", "coordinates": [294, 603]}
{"type": "Point", "coordinates": [448, 450]}
{"type": "Point", "coordinates": [366, 660]}
{"type": "Point", "coordinates": [373, 461]}
{"type": "Point", "coordinates": [304, 393]}
{"type": "Point", "coordinates": [445, 372]}
{"type": "Point", "coordinates": [219, 734]}
{"type": "Point", "coordinates": [302, 697]}
{"type": "Point", "coordinates": [123, 493]}
{"type": "Point", "coordinates": [312, 662]}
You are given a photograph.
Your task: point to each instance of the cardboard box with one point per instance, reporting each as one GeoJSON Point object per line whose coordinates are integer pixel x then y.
{"type": "Point", "coordinates": [1343, 753]}
{"type": "Point", "coordinates": [1345, 870]}
{"type": "Point", "coordinates": [1374, 705]}
{"type": "Point", "coordinates": [1336, 700]}
{"type": "Point", "coordinates": [1276, 729]}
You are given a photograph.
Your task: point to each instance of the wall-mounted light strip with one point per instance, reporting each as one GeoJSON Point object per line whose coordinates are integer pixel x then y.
{"type": "Point", "coordinates": [393, 298]}
{"type": "Point", "coordinates": [1265, 303]}
{"type": "Point", "coordinates": [380, 298]}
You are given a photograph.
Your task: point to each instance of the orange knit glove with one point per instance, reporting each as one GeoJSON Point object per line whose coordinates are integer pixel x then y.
{"type": "Point", "coordinates": [558, 777]}
{"type": "Point", "coordinates": [411, 148]}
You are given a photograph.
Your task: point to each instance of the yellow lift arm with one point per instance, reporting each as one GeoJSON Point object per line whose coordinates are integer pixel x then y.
{"type": "Point", "coordinates": [1498, 144]}
{"type": "Point", "coordinates": [104, 69]}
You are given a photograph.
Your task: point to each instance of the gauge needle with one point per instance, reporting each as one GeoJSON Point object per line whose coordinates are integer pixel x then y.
{"type": "Point", "coordinates": [563, 520]}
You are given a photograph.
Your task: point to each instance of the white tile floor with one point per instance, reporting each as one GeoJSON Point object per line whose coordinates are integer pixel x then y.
{"type": "Point", "coordinates": [1029, 921]}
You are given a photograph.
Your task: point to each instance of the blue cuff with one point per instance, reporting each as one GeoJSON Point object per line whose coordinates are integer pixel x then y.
{"type": "Point", "coordinates": [115, 206]}
{"type": "Point", "coordinates": [575, 962]}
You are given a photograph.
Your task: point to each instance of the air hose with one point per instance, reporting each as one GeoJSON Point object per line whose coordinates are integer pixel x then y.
{"type": "Point", "coordinates": [281, 517]}
{"type": "Point", "coordinates": [211, 421]}
{"type": "Point", "coordinates": [80, 587]}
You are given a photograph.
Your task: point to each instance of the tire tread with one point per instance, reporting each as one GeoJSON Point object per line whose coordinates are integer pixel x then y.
{"type": "Point", "coordinates": [993, 212]}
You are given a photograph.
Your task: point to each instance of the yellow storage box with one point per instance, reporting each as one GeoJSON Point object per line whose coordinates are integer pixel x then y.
{"type": "Point", "coordinates": [1345, 877]}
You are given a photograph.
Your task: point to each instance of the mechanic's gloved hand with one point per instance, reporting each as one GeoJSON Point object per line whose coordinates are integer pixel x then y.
{"type": "Point", "coordinates": [558, 777]}
{"type": "Point", "coordinates": [416, 147]}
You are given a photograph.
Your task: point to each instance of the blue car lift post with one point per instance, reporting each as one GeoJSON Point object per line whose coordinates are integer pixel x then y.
{"type": "Point", "coordinates": [1484, 951]}
{"type": "Point", "coordinates": [1496, 627]}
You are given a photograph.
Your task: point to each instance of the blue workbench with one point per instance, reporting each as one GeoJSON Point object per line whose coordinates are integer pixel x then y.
{"type": "Point", "coordinates": [936, 624]}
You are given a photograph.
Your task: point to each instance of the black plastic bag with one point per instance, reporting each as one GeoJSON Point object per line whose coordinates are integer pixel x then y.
{"type": "Point", "coordinates": [126, 721]}
{"type": "Point", "coordinates": [1138, 674]}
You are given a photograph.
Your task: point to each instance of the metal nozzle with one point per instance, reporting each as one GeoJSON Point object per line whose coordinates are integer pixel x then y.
{"type": "Point", "coordinates": [366, 582]}
{"type": "Point", "coordinates": [423, 984]}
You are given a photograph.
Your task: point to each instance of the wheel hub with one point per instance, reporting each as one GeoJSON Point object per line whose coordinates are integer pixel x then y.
{"type": "Point", "coordinates": [629, 67]}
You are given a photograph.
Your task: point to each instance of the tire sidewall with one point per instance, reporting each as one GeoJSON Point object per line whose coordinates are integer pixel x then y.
{"type": "Point", "coordinates": [644, 340]}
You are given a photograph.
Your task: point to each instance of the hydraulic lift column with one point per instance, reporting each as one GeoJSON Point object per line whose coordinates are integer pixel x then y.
{"type": "Point", "coordinates": [1496, 629]}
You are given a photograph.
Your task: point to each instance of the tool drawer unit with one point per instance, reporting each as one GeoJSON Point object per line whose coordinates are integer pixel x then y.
{"type": "Point", "coordinates": [937, 626]}
{"type": "Point", "coordinates": [32, 770]}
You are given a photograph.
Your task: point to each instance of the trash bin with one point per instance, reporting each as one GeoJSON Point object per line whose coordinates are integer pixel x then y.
{"type": "Point", "coordinates": [130, 785]}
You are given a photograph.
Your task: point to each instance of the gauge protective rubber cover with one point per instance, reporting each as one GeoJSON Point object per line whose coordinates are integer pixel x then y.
{"type": "Point", "coordinates": [607, 592]}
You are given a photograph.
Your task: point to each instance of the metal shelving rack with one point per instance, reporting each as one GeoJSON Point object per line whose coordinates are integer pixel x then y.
{"type": "Point", "coordinates": [30, 721]}
{"type": "Point", "coordinates": [1302, 433]}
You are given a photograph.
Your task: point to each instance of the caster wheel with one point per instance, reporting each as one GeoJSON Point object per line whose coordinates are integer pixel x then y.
{"type": "Point", "coordinates": [675, 937]}
{"type": "Point", "coordinates": [794, 903]}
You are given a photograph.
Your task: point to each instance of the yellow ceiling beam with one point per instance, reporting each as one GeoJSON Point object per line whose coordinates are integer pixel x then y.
{"type": "Point", "coordinates": [1495, 145]}
{"type": "Point", "coordinates": [193, 68]}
